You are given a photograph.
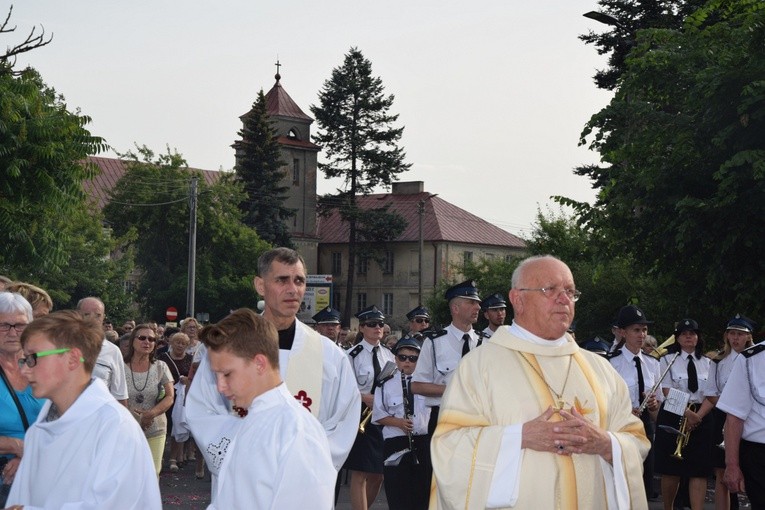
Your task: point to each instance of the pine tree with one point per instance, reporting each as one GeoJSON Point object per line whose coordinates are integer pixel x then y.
{"type": "Point", "coordinates": [360, 145]}
{"type": "Point", "coordinates": [260, 168]}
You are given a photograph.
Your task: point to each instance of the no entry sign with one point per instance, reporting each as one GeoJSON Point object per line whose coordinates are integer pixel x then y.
{"type": "Point", "coordinates": [171, 313]}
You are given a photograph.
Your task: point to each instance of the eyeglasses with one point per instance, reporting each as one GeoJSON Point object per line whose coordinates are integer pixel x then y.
{"type": "Point", "coordinates": [554, 292]}
{"type": "Point", "coordinates": [31, 360]}
{"type": "Point", "coordinates": [143, 338]}
{"type": "Point", "coordinates": [374, 324]}
{"type": "Point", "coordinates": [422, 320]}
{"type": "Point", "coordinates": [5, 327]}
{"type": "Point", "coordinates": [411, 357]}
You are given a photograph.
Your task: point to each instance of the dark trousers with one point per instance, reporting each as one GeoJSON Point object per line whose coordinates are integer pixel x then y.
{"type": "Point", "coordinates": [407, 486]}
{"type": "Point", "coordinates": [650, 430]}
{"type": "Point", "coordinates": [752, 461]}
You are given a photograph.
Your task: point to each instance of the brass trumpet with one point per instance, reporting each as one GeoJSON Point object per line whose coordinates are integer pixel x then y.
{"type": "Point", "coordinates": [682, 439]}
{"type": "Point", "coordinates": [366, 415]}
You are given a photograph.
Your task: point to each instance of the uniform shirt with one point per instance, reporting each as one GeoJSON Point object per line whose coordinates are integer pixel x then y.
{"type": "Point", "coordinates": [110, 368]}
{"type": "Point", "coordinates": [624, 364]}
{"type": "Point", "coordinates": [362, 364]}
{"type": "Point", "coordinates": [744, 396]}
{"type": "Point", "coordinates": [677, 377]}
{"type": "Point", "coordinates": [487, 332]}
{"type": "Point", "coordinates": [718, 375]}
{"type": "Point", "coordinates": [389, 401]}
{"type": "Point", "coordinates": [439, 358]}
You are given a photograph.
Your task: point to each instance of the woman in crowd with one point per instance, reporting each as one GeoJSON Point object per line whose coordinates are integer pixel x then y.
{"type": "Point", "coordinates": [15, 314]}
{"type": "Point", "coordinates": [191, 327]}
{"type": "Point", "coordinates": [688, 374]}
{"type": "Point", "coordinates": [41, 302]}
{"type": "Point", "coordinates": [179, 363]}
{"type": "Point", "coordinates": [150, 389]}
{"type": "Point", "coordinates": [737, 337]}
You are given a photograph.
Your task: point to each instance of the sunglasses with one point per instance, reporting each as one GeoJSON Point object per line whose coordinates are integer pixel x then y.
{"type": "Point", "coordinates": [374, 324]}
{"type": "Point", "coordinates": [408, 357]}
{"type": "Point", "coordinates": [421, 320]}
{"type": "Point", "coordinates": [143, 338]}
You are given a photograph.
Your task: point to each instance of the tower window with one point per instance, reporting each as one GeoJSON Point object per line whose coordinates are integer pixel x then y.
{"type": "Point", "coordinates": [293, 134]}
{"type": "Point", "coordinates": [296, 172]}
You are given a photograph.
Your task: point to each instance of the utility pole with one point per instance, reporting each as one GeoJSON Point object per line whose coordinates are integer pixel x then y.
{"type": "Point", "coordinates": [421, 213]}
{"type": "Point", "coordinates": [190, 290]}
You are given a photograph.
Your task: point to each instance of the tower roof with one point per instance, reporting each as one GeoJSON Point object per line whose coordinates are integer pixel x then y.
{"type": "Point", "coordinates": [279, 103]}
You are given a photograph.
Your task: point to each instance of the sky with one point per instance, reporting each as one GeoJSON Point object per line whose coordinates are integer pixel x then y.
{"type": "Point", "coordinates": [493, 95]}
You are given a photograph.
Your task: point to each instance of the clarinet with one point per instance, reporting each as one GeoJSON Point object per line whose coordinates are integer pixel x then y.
{"type": "Point", "coordinates": [405, 392]}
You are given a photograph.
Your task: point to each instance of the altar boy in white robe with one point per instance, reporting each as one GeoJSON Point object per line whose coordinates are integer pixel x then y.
{"type": "Point", "coordinates": [279, 455]}
{"type": "Point", "coordinates": [85, 450]}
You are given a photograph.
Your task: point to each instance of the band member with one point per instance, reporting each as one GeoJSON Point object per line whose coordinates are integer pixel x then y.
{"type": "Point", "coordinates": [404, 417]}
{"type": "Point", "coordinates": [640, 372]}
{"type": "Point", "coordinates": [685, 455]}
{"type": "Point", "coordinates": [419, 322]}
{"type": "Point", "coordinates": [365, 462]}
{"type": "Point", "coordinates": [494, 310]}
{"type": "Point", "coordinates": [328, 323]}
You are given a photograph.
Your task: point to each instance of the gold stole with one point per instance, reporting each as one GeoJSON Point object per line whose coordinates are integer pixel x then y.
{"type": "Point", "coordinates": [305, 371]}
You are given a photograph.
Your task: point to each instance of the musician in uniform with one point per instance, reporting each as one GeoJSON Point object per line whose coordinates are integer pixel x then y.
{"type": "Point", "coordinates": [365, 462]}
{"type": "Point", "coordinates": [737, 337]}
{"type": "Point", "coordinates": [688, 454]}
{"type": "Point", "coordinates": [404, 418]}
{"type": "Point", "coordinates": [494, 310]}
{"type": "Point", "coordinates": [641, 373]}
{"type": "Point", "coordinates": [419, 322]}
{"type": "Point", "coordinates": [328, 323]}
{"type": "Point", "coordinates": [743, 398]}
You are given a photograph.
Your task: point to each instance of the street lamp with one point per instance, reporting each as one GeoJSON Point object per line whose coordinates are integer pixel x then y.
{"type": "Point", "coordinates": [604, 18]}
{"type": "Point", "coordinates": [421, 213]}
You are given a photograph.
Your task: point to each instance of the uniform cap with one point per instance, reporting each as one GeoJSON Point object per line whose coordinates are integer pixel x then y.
{"type": "Point", "coordinates": [466, 289]}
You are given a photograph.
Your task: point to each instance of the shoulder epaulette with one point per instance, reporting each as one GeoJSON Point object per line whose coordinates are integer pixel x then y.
{"type": "Point", "coordinates": [482, 334]}
{"type": "Point", "coordinates": [756, 348]}
{"type": "Point", "coordinates": [613, 354]}
{"type": "Point", "coordinates": [435, 334]}
{"type": "Point", "coordinates": [355, 351]}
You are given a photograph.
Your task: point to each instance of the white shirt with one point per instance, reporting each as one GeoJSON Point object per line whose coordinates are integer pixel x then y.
{"type": "Point", "coordinates": [624, 363]}
{"type": "Point", "coordinates": [744, 396]}
{"type": "Point", "coordinates": [362, 365]}
{"type": "Point", "coordinates": [718, 375]}
{"type": "Point", "coordinates": [439, 358]}
{"type": "Point", "coordinates": [389, 401]}
{"type": "Point", "coordinates": [93, 456]}
{"type": "Point", "coordinates": [278, 459]}
{"type": "Point", "coordinates": [110, 368]}
{"type": "Point", "coordinates": [677, 377]}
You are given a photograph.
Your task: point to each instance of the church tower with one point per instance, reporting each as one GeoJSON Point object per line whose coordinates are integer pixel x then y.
{"type": "Point", "coordinates": [293, 130]}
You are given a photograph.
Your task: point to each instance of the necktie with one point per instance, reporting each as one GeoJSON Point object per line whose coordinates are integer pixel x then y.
{"type": "Point", "coordinates": [375, 366]}
{"type": "Point", "coordinates": [465, 344]}
{"type": "Point", "coordinates": [693, 378]}
{"type": "Point", "coordinates": [641, 381]}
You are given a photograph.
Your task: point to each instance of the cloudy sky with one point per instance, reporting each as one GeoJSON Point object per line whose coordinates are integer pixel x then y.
{"type": "Point", "coordinates": [493, 94]}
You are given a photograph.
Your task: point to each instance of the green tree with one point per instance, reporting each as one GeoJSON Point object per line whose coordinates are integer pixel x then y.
{"type": "Point", "coordinates": [150, 202]}
{"type": "Point", "coordinates": [42, 148]}
{"type": "Point", "coordinates": [260, 167]}
{"type": "Point", "coordinates": [361, 147]}
{"type": "Point", "coordinates": [684, 162]}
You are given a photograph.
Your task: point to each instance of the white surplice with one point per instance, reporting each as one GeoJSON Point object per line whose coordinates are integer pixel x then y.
{"type": "Point", "coordinates": [279, 458]}
{"type": "Point", "coordinates": [94, 456]}
{"type": "Point", "coordinates": [208, 413]}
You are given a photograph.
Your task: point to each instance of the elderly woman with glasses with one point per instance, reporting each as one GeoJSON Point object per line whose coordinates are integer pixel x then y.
{"type": "Point", "coordinates": [16, 414]}
{"type": "Point", "coordinates": [150, 389]}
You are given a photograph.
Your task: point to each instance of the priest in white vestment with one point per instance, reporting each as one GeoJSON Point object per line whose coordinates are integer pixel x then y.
{"type": "Point", "coordinates": [532, 421]}
{"type": "Point", "coordinates": [85, 451]}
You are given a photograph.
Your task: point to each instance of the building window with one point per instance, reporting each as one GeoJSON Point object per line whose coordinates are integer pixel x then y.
{"type": "Point", "coordinates": [337, 263]}
{"type": "Point", "coordinates": [489, 256]}
{"type": "Point", "coordinates": [361, 300]}
{"type": "Point", "coordinates": [388, 303]}
{"type": "Point", "coordinates": [388, 265]}
{"type": "Point", "coordinates": [467, 257]}
{"type": "Point", "coordinates": [508, 258]}
{"type": "Point", "coordinates": [296, 172]}
{"type": "Point", "coordinates": [293, 134]}
{"type": "Point", "coordinates": [362, 266]}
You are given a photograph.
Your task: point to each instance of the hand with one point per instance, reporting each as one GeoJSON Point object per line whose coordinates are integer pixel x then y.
{"type": "Point", "coordinates": [406, 425]}
{"type": "Point", "coordinates": [147, 418]}
{"type": "Point", "coordinates": [653, 404]}
{"type": "Point", "coordinates": [692, 419]}
{"type": "Point", "coordinates": [183, 380]}
{"type": "Point", "coordinates": [9, 472]}
{"type": "Point", "coordinates": [538, 434]}
{"type": "Point", "coordinates": [734, 479]}
{"type": "Point", "coordinates": [584, 437]}
{"type": "Point", "coordinates": [368, 399]}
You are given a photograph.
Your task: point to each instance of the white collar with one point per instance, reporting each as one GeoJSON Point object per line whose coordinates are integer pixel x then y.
{"type": "Point", "coordinates": [527, 335]}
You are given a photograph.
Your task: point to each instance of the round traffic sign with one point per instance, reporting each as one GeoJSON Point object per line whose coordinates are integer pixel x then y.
{"type": "Point", "coordinates": [171, 313]}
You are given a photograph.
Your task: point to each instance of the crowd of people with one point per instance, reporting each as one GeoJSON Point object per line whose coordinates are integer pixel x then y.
{"type": "Point", "coordinates": [512, 416]}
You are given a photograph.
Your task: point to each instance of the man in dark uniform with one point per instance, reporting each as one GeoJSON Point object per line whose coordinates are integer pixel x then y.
{"type": "Point", "coordinates": [419, 321]}
{"type": "Point", "coordinates": [494, 309]}
{"type": "Point", "coordinates": [328, 323]}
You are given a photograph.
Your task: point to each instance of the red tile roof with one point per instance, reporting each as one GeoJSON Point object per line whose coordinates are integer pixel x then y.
{"type": "Point", "coordinates": [112, 170]}
{"type": "Point", "coordinates": [278, 102]}
{"type": "Point", "coordinates": [441, 221]}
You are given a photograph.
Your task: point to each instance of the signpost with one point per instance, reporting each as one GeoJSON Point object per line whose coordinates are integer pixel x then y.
{"type": "Point", "coordinates": [171, 314]}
